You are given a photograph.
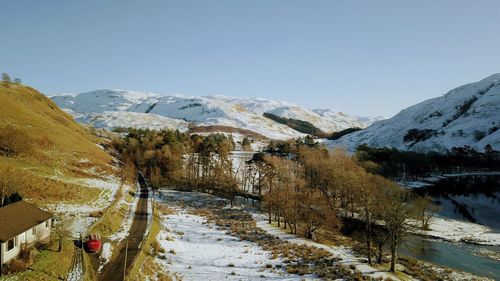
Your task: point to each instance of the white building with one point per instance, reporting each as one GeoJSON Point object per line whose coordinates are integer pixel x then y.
{"type": "Point", "coordinates": [21, 225]}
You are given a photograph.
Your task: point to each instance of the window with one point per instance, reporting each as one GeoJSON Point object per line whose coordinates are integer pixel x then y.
{"type": "Point", "coordinates": [47, 223]}
{"type": "Point", "coordinates": [11, 244]}
{"type": "Point", "coordinates": [33, 230]}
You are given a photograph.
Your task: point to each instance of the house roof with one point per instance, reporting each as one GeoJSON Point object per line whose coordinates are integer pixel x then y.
{"type": "Point", "coordinates": [19, 217]}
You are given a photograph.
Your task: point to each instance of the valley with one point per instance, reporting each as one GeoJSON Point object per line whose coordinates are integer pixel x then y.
{"type": "Point", "coordinates": [200, 176]}
{"type": "Point", "coordinates": [249, 140]}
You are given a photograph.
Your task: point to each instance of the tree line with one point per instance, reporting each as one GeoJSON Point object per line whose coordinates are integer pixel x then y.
{"type": "Point", "coordinates": [394, 163]}
{"type": "Point", "coordinates": [187, 162]}
{"type": "Point", "coordinates": [303, 186]}
{"type": "Point", "coordinates": [314, 188]}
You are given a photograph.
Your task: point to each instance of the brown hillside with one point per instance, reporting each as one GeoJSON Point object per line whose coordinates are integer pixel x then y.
{"type": "Point", "coordinates": [45, 139]}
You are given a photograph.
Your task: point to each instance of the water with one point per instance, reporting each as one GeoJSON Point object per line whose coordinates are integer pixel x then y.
{"type": "Point", "coordinates": [453, 255]}
{"type": "Point", "coordinates": [479, 195]}
{"type": "Point", "coordinates": [473, 198]}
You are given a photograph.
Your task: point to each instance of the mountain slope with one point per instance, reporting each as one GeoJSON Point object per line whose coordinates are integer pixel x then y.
{"type": "Point", "coordinates": [52, 141]}
{"type": "Point", "coordinates": [467, 115]}
{"type": "Point", "coordinates": [100, 108]}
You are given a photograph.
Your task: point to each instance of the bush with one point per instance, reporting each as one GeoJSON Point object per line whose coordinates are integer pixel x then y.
{"type": "Point", "coordinates": [419, 135]}
{"type": "Point", "coordinates": [157, 248]}
{"type": "Point", "coordinates": [95, 214]}
{"type": "Point", "coordinates": [461, 110]}
{"type": "Point", "coordinates": [18, 265]}
{"type": "Point", "coordinates": [479, 135]}
{"type": "Point", "coordinates": [14, 141]}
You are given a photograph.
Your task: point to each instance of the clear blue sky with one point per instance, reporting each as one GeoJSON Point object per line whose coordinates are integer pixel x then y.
{"type": "Point", "coordinates": [360, 57]}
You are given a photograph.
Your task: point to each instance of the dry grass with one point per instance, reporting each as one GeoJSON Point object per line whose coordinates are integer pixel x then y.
{"type": "Point", "coordinates": [145, 265]}
{"type": "Point", "coordinates": [56, 142]}
{"type": "Point", "coordinates": [298, 259]}
{"type": "Point", "coordinates": [40, 118]}
{"type": "Point", "coordinates": [111, 218]}
{"type": "Point", "coordinates": [50, 264]}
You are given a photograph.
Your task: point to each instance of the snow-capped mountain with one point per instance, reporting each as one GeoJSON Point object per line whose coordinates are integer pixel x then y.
{"type": "Point", "coordinates": [345, 120]}
{"type": "Point", "coordinates": [467, 115]}
{"type": "Point", "coordinates": [120, 108]}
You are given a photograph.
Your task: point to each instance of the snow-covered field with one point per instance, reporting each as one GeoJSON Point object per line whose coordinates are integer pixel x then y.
{"type": "Point", "coordinates": [460, 231]}
{"type": "Point", "coordinates": [198, 251]}
{"type": "Point", "coordinates": [345, 254]}
{"type": "Point", "coordinates": [78, 215]}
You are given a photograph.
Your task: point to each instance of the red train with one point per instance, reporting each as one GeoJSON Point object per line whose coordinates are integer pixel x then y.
{"type": "Point", "coordinates": [93, 243]}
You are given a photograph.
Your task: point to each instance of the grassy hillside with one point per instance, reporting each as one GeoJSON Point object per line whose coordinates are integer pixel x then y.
{"type": "Point", "coordinates": [46, 142]}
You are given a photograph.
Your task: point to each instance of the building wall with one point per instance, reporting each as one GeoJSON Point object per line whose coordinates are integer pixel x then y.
{"type": "Point", "coordinates": [42, 233]}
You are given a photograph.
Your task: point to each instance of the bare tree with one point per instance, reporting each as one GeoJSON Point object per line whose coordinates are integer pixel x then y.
{"type": "Point", "coordinates": [395, 210]}
{"type": "Point", "coordinates": [61, 231]}
{"type": "Point", "coordinates": [425, 210]}
{"type": "Point", "coordinates": [155, 177]}
{"type": "Point", "coordinates": [9, 183]}
{"type": "Point", "coordinates": [365, 190]}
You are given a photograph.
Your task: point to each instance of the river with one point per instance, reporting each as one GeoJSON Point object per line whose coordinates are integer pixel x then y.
{"type": "Point", "coordinates": [473, 198]}
{"type": "Point", "coordinates": [478, 198]}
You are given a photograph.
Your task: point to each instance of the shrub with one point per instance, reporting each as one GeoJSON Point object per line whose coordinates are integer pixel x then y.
{"type": "Point", "coordinates": [157, 248]}
{"type": "Point", "coordinates": [479, 135]}
{"type": "Point", "coordinates": [492, 130]}
{"type": "Point", "coordinates": [419, 135]}
{"type": "Point", "coordinates": [18, 265]}
{"type": "Point", "coordinates": [95, 214]}
{"type": "Point", "coordinates": [14, 141]}
{"type": "Point", "coordinates": [461, 110]}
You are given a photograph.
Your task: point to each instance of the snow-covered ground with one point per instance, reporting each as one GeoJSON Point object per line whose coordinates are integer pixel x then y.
{"type": "Point", "coordinates": [124, 229]}
{"type": "Point", "coordinates": [198, 251]}
{"type": "Point", "coordinates": [78, 215]}
{"type": "Point", "coordinates": [460, 231]}
{"type": "Point", "coordinates": [345, 254]}
{"type": "Point", "coordinates": [106, 254]}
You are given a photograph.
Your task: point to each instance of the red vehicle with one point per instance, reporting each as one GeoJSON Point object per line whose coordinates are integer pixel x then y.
{"type": "Point", "coordinates": [93, 243]}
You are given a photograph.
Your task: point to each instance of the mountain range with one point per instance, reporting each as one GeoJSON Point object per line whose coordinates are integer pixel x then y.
{"type": "Point", "coordinates": [467, 115]}
{"type": "Point", "coordinates": [120, 108]}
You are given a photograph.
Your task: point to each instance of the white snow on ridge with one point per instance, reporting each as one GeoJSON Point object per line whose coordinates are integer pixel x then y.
{"type": "Point", "coordinates": [115, 119]}
{"type": "Point", "coordinates": [467, 115]}
{"type": "Point", "coordinates": [120, 108]}
{"type": "Point", "coordinates": [345, 121]}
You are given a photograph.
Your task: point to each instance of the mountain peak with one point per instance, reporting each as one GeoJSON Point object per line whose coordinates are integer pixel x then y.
{"type": "Point", "coordinates": [467, 115]}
